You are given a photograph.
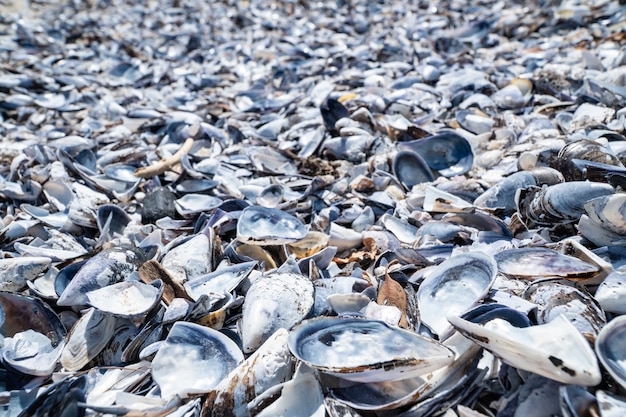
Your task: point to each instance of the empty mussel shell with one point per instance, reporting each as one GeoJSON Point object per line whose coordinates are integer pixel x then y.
{"type": "Point", "coordinates": [365, 350]}
{"type": "Point", "coordinates": [611, 348]}
{"type": "Point", "coordinates": [539, 262]}
{"type": "Point", "coordinates": [448, 153]}
{"type": "Point", "coordinates": [268, 226]}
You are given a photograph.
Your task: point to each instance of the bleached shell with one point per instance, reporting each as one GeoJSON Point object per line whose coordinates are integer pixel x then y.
{"type": "Point", "coordinates": [219, 281]}
{"type": "Point", "coordinates": [128, 299]}
{"type": "Point", "coordinates": [193, 359]}
{"type": "Point", "coordinates": [269, 365]}
{"type": "Point", "coordinates": [106, 268]}
{"type": "Point", "coordinates": [14, 272]}
{"type": "Point", "coordinates": [88, 337]}
{"type": "Point", "coordinates": [364, 350]}
{"type": "Point", "coordinates": [274, 301]}
{"type": "Point", "coordinates": [555, 350]}
{"type": "Point", "coordinates": [31, 353]}
{"type": "Point", "coordinates": [611, 293]}
{"type": "Point", "coordinates": [454, 286]}
{"type": "Point", "coordinates": [611, 348]}
{"type": "Point", "coordinates": [267, 226]}
{"type": "Point", "coordinates": [190, 259]}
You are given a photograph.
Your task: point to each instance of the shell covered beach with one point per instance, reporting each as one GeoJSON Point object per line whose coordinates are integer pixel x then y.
{"type": "Point", "coordinates": [297, 208]}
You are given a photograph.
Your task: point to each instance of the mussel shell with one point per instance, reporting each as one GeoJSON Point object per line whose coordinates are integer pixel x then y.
{"type": "Point", "coordinates": [129, 299]}
{"type": "Point", "coordinates": [586, 149]}
{"type": "Point", "coordinates": [19, 313]}
{"type": "Point", "coordinates": [267, 226]}
{"type": "Point", "coordinates": [220, 281]}
{"type": "Point", "coordinates": [452, 287]}
{"type": "Point", "coordinates": [411, 169]}
{"type": "Point", "coordinates": [561, 296]}
{"type": "Point", "coordinates": [531, 263]}
{"type": "Point", "coordinates": [365, 350]}
{"type": "Point", "coordinates": [448, 153]}
{"type": "Point", "coordinates": [193, 359]}
{"type": "Point", "coordinates": [611, 348]}
{"type": "Point", "coordinates": [555, 350]}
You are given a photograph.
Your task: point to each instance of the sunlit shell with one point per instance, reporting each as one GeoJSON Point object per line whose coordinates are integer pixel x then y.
{"type": "Point", "coordinates": [193, 359]}
{"type": "Point", "coordinates": [126, 299]}
{"type": "Point", "coordinates": [611, 348]}
{"type": "Point", "coordinates": [454, 286]}
{"type": "Point", "coordinates": [555, 350]}
{"type": "Point", "coordinates": [277, 300]}
{"type": "Point", "coordinates": [365, 350]}
{"type": "Point", "coordinates": [268, 226]}
{"type": "Point", "coordinates": [531, 263]}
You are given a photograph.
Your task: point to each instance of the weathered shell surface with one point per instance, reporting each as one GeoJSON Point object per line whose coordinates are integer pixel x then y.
{"type": "Point", "coordinates": [555, 350]}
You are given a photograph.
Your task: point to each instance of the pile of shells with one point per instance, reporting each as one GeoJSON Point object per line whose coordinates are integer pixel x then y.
{"type": "Point", "coordinates": [341, 208]}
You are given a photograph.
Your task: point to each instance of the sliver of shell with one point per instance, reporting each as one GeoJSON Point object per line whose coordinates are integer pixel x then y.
{"type": "Point", "coordinates": [611, 293]}
{"type": "Point", "coordinates": [611, 348]}
{"type": "Point", "coordinates": [531, 263]}
{"type": "Point", "coordinates": [555, 350]}
{"type": "Point", "coordinates": [267, 226]}
{"type": "Point", "coordinates": [219, 281]}
{"type": "Point", "coordinates": [364, 350]}
{"type": "Point", "coordinates": [270, 365]}
{"type": "Point", "coordinates": [14, 272]}
{"type": "Point", "coordinates": [193, 359]}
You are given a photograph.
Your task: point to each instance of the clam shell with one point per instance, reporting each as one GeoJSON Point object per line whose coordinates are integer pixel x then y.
{"type": "Point", "coordinates": [220, 281]}
{"type": "Point", "coordinates": [193, 359]}
{"type": "Point", "coordinates": [90, 334]}
{"type": "Point", "coordinates": [611, 292]}
{"type": "Point", "coordinates": [31, 353]}
{"type": "Point", "coordinates": [364, 350]}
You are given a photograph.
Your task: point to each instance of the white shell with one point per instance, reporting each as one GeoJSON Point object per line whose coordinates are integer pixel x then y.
{"type": "Point", "coordinates": [190, 259]}
{"type": "Point", "coordinates": [217, 282]}
{"type": "Point", "coordinates": [555, 350]}
{"type": "Point", "coordinates": [14, 272]}
{"type": "Point", "coordinates": [274, 301]}
{"type": "Point", "coordinates": [31, 353]}
{"type": "Point", "coordinates": [453, 287]}
{"type": "Point", "coordinates": [611, 293]}
{"type": "Point", "coordinates": [267, 226]}
{"type": "Point", "coordinates": [193, 359]}
{"type": "Point", "coordinates": [365, 350]}
{"type": "Point", "coordinates": [610, 405]}
{"type": "Point", "coordinates": [128, 299]}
